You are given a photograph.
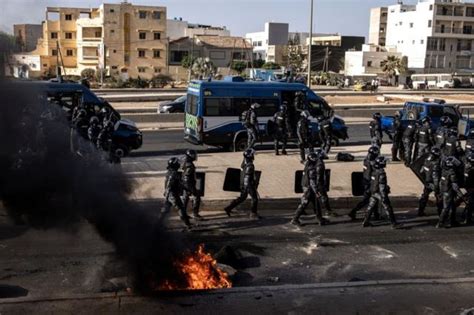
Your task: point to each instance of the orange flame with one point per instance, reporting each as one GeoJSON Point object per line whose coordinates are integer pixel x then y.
{"type": "Point", "coordinates": [200, 271]}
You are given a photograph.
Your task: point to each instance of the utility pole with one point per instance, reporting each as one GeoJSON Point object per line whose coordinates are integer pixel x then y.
{"type": "Point", "coordinates": [58, 68]}
{"type": "Point", "coordinates": [310, 44]}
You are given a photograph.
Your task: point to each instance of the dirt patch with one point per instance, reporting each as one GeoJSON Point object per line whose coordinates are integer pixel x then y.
{"type": "Point", "coordinates": [343, 100]}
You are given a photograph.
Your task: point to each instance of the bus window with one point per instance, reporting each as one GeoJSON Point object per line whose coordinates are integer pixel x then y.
{"type": "Point", "coordinates": [268, 107]}
{"type": "Point", "coordinates": [240, 105]}
{"type": "Point", "coordinates": [192, 105]}
{"type": "Point", "coordinates": [218, 107]}
{"type": "Point", "coordinates": [451, 113]}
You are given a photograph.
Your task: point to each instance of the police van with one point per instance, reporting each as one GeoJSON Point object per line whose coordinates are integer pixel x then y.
{"type": "Point", "coordinates": [214, 108]}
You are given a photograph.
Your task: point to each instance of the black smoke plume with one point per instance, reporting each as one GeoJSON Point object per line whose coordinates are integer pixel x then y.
{"type": "Point", "coordinates": [51, 178]}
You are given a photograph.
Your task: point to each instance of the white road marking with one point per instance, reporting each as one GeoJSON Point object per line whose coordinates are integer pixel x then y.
{"type": "Point", "coordinates": [448, 250]}
{"type": "Point", "coordinates": [382, 253]}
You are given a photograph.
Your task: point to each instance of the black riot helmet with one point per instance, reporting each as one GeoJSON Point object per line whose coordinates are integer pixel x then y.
{"type": "Point", "coordinates": [191, 154]}
{"type": "Point", "coordinates": [313, 157]}
{"type": "Point", "coordinates": [249, 154]}
{"type": "Point", "coordinates": [305, 114]}
{"type": "Point", "coordinates": [445, 121]}
{"type": "Point", "coordinates": [320, 154]}
{"type": "Point", "coordinates": [426, 120]}
{"type": "Point", "coordinates": [374, 151]}
{"type": "Point", "coordinates": [377, 116]}
{"type": "Point", "coordinates": [435, 151]}
{"type": "Point", "coordinates": [380, 162]}
{"type": "Point", "coordinates": [451, 162]}
{"type": "Point", "coordinates": [173, 164]}
{"type": "Point", "coordinates": [284, 107]}
{"type": "Point", "coordinates": [94, 120]}
{"type": "Point", "coordinates": [452, 132]}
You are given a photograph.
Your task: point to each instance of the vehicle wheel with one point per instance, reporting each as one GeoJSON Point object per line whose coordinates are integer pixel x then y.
{"type": "Point", "coordinates": [121, 151]}
{"type": "Point", "coordinates": [240, 145]}
{"type": "Point", "coordinates": [334, 142]}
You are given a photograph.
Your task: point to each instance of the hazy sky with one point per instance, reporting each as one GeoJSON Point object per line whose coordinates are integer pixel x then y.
{"type": "Point", "coordinates": [349, 17]}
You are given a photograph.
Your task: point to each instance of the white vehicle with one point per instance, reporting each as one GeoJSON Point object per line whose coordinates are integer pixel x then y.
{"type": "Point", "coordinates": [424, 81]}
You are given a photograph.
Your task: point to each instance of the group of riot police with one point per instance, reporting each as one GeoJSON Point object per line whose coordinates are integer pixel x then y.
{"type": "Point", "coordinates": [98, 128]}
{"type": "Point", "coordinates": [436, 156]}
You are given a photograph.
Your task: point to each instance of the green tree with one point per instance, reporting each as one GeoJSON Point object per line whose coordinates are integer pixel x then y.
{"type": "Point", "coordinates": [295, 58]}
{"type": "Point", "coordinates": [258, 63]}
{"type": "Point", "coordinates": [88, 74]}
{"type": "Point", "coordinates": [393, 66]}
{"type": "Point", "coordinates": [187, 62]}
{"type": "Point", "coordinates": [203, 68]}
{"type": "Point", "coordinates": [239, 66]}
{"type": "Point", "coordinates": [271, 66]}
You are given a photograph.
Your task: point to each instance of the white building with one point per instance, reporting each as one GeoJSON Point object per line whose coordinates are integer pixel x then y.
{"type": "Point", "coordinates": [435, 35]}
{"type": "Point", "coordinates": [177, 28]}
{"type": "Point", "coordinates": [378, 26]}
{"type": "Point", "coordinates": [367, 61]}
{"type": "Point", "coordinates": [25, 66]}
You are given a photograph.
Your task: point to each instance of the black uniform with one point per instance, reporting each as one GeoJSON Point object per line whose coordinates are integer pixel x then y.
{"type": "Point", "coordinates": [376, 135]}
{"type": "Point", "coordinates": [397, 145]}
{"type": "Point", "coordinates": [304, 133]}
{"type": "Point", "coordinates": [81, 122]}
{"type": "Point", "coordinates": [470, 142]}
{"type": "Point", "coordinates": [468, 175]}
{"type": "Point", "coordinates": [431, 171]}
{"type": "Point", "coordinates": [379, 191]}
{"type": "Point", "coordinates": [248, 187]}
{"type": "Point", "coordinates": [325, 133]}
{"type": "Point", "coordinates": [408, 141]}
{"type": "Point", "coordinates": [251, 124]}
{"type": "Point", "coordinates": [94, 129]}
{"type": "Point", "coordinates": [452, 146]}
{"type": "Point", "coordinates": [173, 189]}
{"type": "Point", "coordinates": [189, 187]}
{"type": "Point", "coordinates": [282, 124]}
{"type": "Point", "coordinates": [423, 140]}
{"type": "Point", "coordinates": [449, 188]}
{"type": "Point", "coordinates": [440, 137]}
{"type": "Point", "coordinates": [369, 163]}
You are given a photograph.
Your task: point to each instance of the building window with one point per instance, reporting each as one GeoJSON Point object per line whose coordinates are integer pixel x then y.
{"type": "Point", "coordinates": [98, 34]}
{"type": "Point", "coordinates": [68, 35]}
{"type": "Point", "coordinates": [69, 53]}
{"type": "Point", "coordinates": [112, 31]}
{"type": "Point", "coordinates": [114, 51]}
{"type": "Point", "coordinates": [142, 14]}
{"type": "Point", "coordinates": [430, 23]}
{"type": "Point", "coordinates": [431, 7]}
{"type": "Point", "coordinates": [411, 25]}
{"type": "Point", "coordinates": [124, 70]}
{"type": "Point", "coordinates": [413, 42]}
{"type": "Point", "coordinates": [54, 35]}
{"type": "Point", "coordinates": [141, 53]}
{"type": "Point", "coordinates": [112, 10]}
{"type": "Point", "coordinates": [54, 52]}
{"type": "Point", "coordinates": [401, 23]}
{"type": "Point", "coordinates": [68, 17]}
{"type": "Point", "coordinates": [369, 63]}
{"type": "Point", "coordinates": [156, 54]}
{"type": "Point", "coordinates": [141, 69]}
{"type": "Point", "coordinates": [156, 15]}
{"type": "Point", "coordinates": [156, 36]}
{"type": "Point", "coordinates": [142, 35]}
{"type": "Point", "coordinates": [157, 70]}
{"type": "Point", "coordinates": [422, 41]}
{"type": "Point", "coordinates": [114, 67]}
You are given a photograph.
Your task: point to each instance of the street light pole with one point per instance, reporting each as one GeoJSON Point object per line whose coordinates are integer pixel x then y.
{"type": "Point", "coordinates": [310, 44]}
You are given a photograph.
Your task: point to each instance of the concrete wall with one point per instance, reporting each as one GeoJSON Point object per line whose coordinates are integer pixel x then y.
{"type": "Point", "coordinates": [28, 34]}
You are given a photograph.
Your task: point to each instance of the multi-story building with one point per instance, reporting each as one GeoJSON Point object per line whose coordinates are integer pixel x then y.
{"type": "Point", "coordinates": [177, 28]}
{"type": "Point", "coordinates": [27, 35]}
{"type": "Point", "coordinates": [274, 34]}
{"type": "Point", "coordinates": [378, 26]}
{"type": "Point", "coordinates": [368, 60]}
{"type": "Point", "coordinates": [123, 39]}
{"type": "Point", "coordinates": [435, 35]}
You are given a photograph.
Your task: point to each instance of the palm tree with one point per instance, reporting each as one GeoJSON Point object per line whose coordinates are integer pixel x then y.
{"type": "Point", "coordinates": [393, 66]}
{"type": "Point", "coordinates": [203, 68]}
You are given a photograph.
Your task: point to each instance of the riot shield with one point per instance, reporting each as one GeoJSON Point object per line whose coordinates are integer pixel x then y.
{"type": "Point", "coordinates": [357, 180]}
{"type": "Point", "coordinates": [271, 128]}
{"type": "Point", "coordinates": [233, 180]}
{"type": "Point", "coordinates": [298, 186]}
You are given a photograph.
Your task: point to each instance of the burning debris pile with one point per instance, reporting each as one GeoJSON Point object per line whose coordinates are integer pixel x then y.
{"type": "Point", "coordinates": [200, 272]}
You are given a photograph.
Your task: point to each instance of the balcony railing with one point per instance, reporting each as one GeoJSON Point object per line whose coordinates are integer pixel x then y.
{"type": "Point", "coordinates": [90, 57]}
{"type": "Point", "coordinates": [95, 39]}
{"type": "Point", "coordinates": [443, 30]}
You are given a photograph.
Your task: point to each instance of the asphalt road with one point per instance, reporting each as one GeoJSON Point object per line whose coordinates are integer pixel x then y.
{"type": "Point", "coordinates": [172, 141]}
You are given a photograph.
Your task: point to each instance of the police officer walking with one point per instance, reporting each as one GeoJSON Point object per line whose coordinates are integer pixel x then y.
{"type": "Point", "coordinates": [305, 138]}
{"type": "Point", "coordinates": [375, 128]}
{"type": "Point", "coordinates": [249, 186]}
{"type": "Point", "coordinates": [408, 141]}
{"type": "Point", "coordinates": [431, 172]}
{"type": "Point", "coordinates": [173, 188]}
{"type": "Point", "coordinates": [452, 145]}
{"type": "Point", "coordinates": [189, 184]}
{"type": "Point", "coordinates": [311, 190]}
{"type": "Point", "coordinates": [423, 138]}
{"type": "Point", "coordinates": [325, 133]}
{"type": "Point", "coordinates": [441, 132]}
{"type": "Point", "coordinates": [322, 184]}
{"type": "Point", "coordinates": [397, 145]}
{"type": "Point", "coordinates": [251, 124]}
{"type": "Point", "coordinates": [468, 178]}
{"type": "Point", "coordinates": [379, 191]}
{"type": "Point", "coordinates": [449, 187]}
{"type": "Point", "coordinates": [369, 163]}
{"type": "Point", "coordinates": [282, 126]}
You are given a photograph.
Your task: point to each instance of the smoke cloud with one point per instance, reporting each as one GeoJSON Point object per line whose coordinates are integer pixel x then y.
{"type": "Point", "coordinates": [51, 178]}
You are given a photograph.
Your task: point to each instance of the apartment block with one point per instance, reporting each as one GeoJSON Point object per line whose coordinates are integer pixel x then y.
{"type": "Point", "coordinates": [28, 35]}
{"type": "Point", "coordinates": [124, 39]}
{"type": "Point", "coordinates": [378, 26]}
{"type": "Point", "coordinates": [435, 35]}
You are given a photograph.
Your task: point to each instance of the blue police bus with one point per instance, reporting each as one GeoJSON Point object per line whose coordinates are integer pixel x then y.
{"type": "Point", "coordinates": [213, 111]}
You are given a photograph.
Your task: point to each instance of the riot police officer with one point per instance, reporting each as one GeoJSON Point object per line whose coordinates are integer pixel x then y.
{"type": "Point", "coordinates": [423, 138]}
{"type": "Point", "coordinates": [81, 122]}
{"type": "Point", "coordinates": [375, 128]}
{"type": "Point", "coordinates": [441, 131]}
{"type": "Point", "coordinates": [322, 194]}
{"type": "Point", "coordinates": [379, 191]}
{"type": "Point", "coordinates": [452, 146]}
{"type": "Point", "coordinates": [325, 133]}
{"type": "Point", "coordinates": [408, 141]}
{"type": "Point", "coordinates": [249, 186]}
{"type": "Point", "coordinates": [305, 138]}
{"type": "Point", "coordinates": [397, 145]}
{"type": "Point", "coordinates": [189, 184]}
{"type": "Point", "coordinates": [300, 100]}
{"type": "Point", "coordinates": [104, 139]}
{"type": "Point", "coordinates": [431, 172]}
{"type": "Point", "coordinates": [282, 123]}
{"type": "Point", "coordinates": [173, 188]}
{"type": "Point", "coordinates": [468, 178]}
{"type": "Point", "coordinates": [251, 124]}
{"type": "Point", "coordinates": [449, 187]}
{"type": "Point", "coordinates": [369, 162]}
{"type": "Point", "coordinates": [470, 142]}
{"type": "Point", "coordinates": [94, 129]}
{"type": "Point", "coordinates": [311, 190]}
